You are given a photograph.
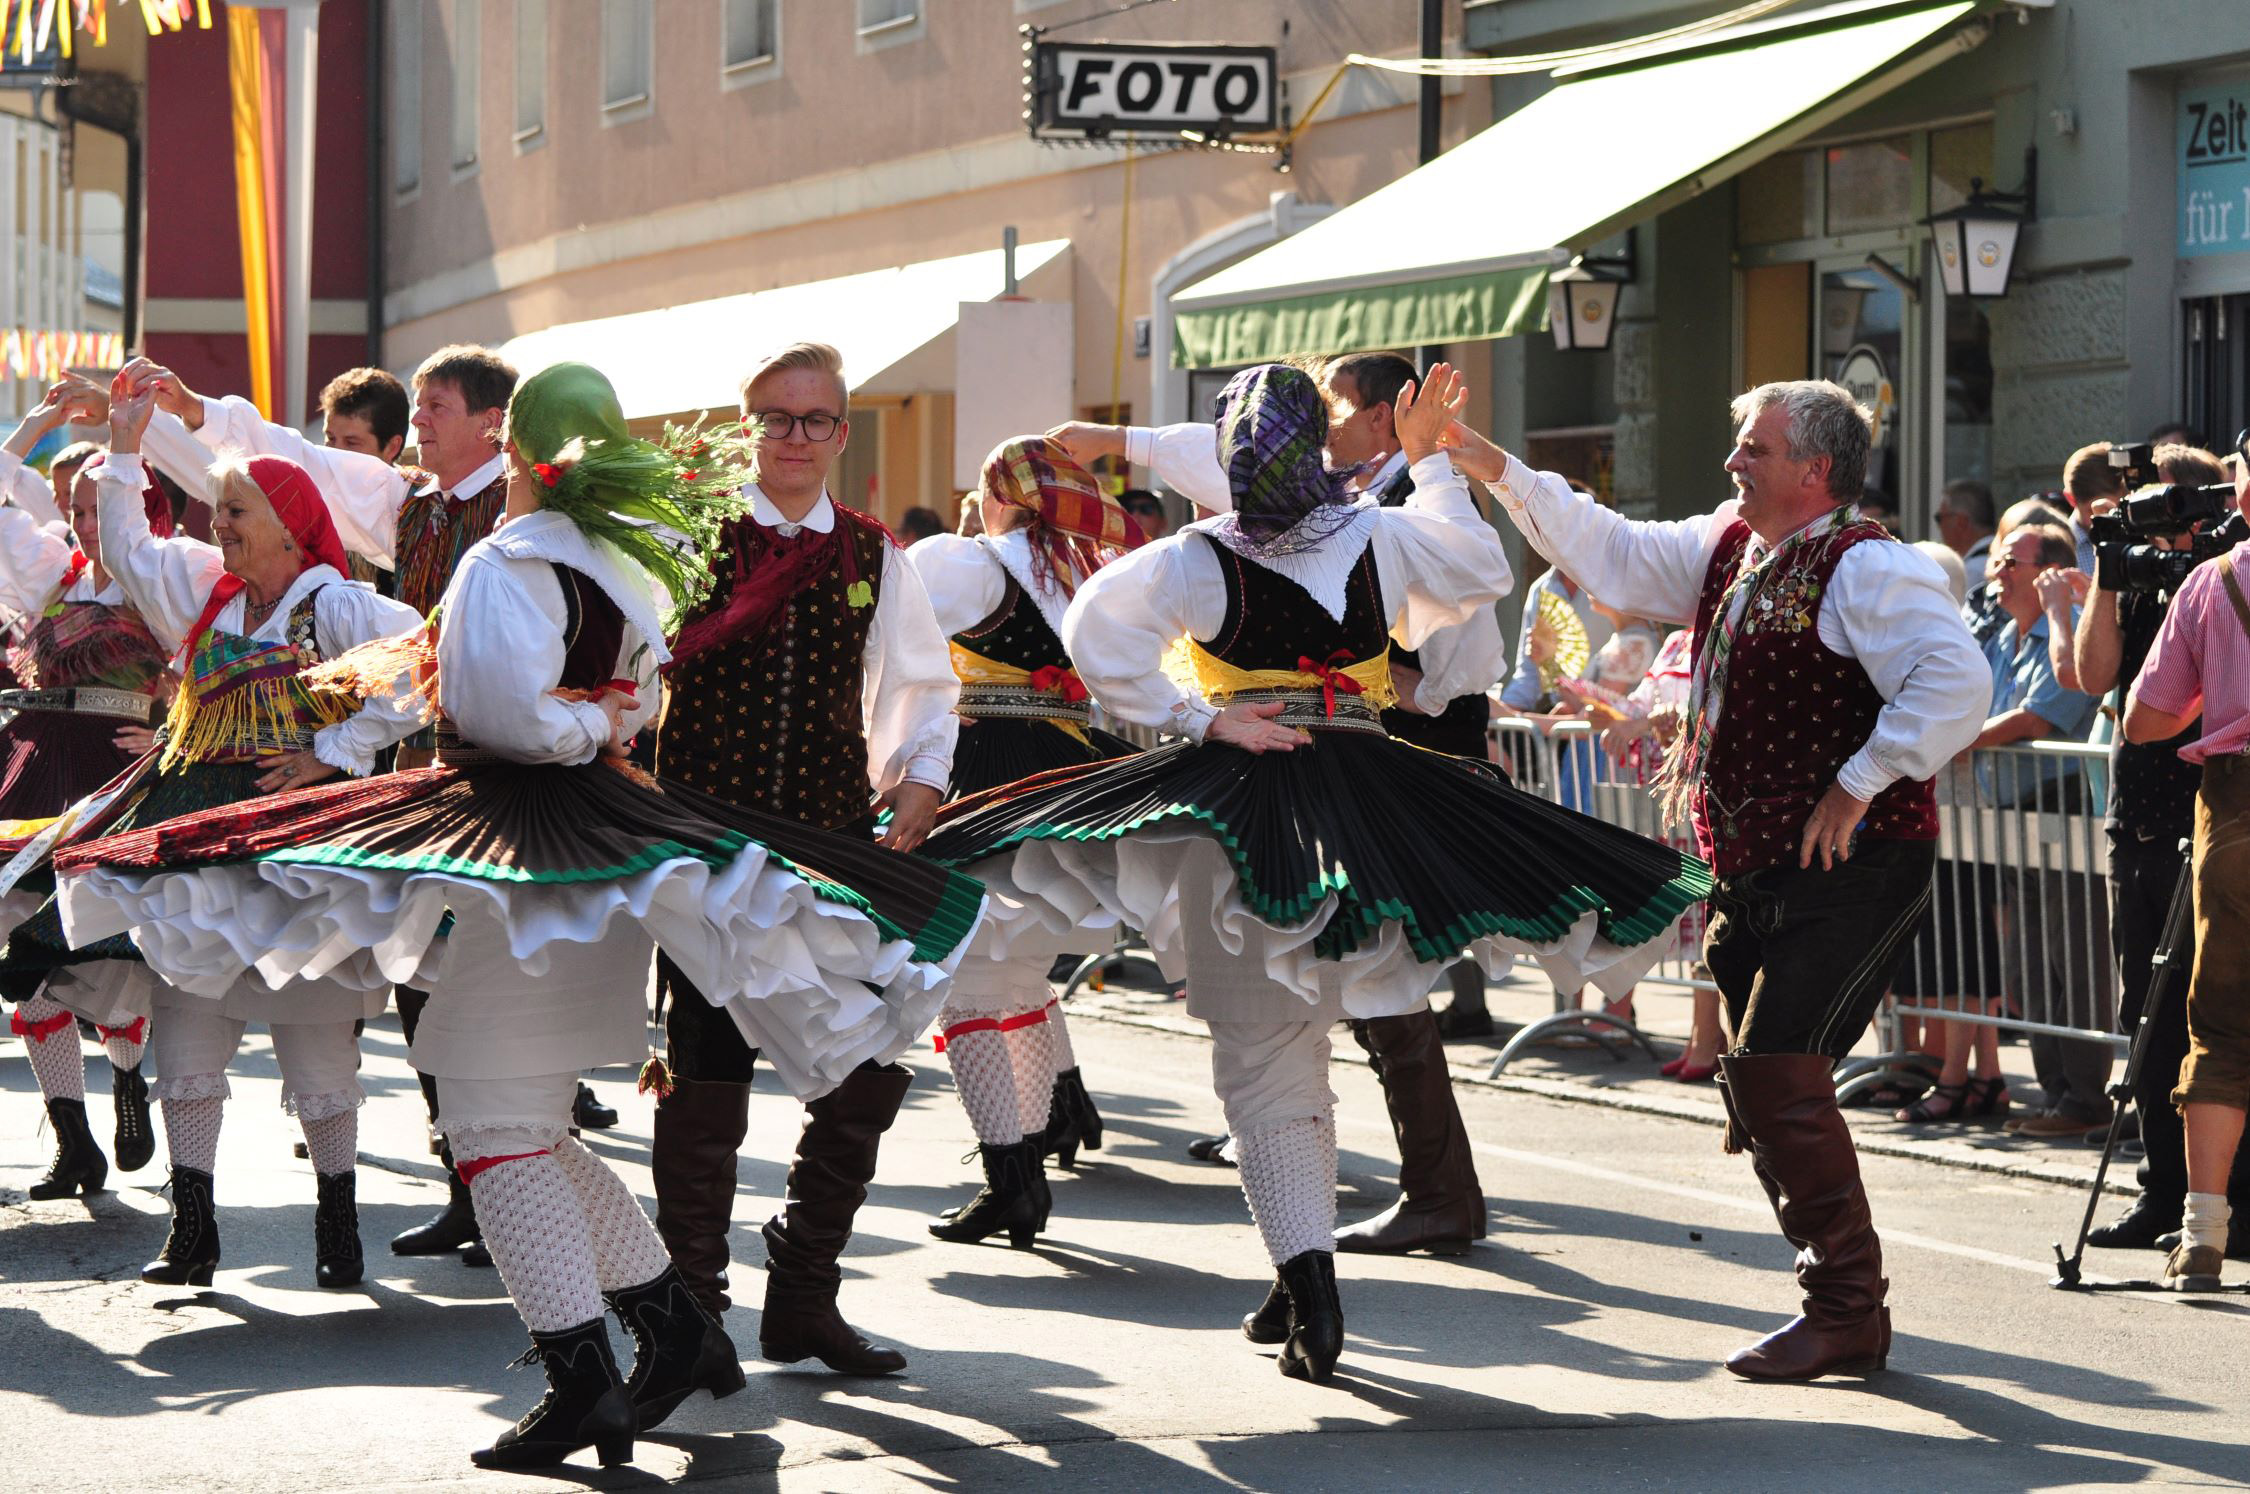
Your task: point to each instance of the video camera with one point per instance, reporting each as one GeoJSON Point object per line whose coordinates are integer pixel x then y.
{"type": "Point", "coordinates": [2124, 560]}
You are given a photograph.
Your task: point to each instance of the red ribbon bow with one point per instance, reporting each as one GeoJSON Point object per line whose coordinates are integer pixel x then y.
{"type": "Point", "coordinates": [1332, 677]}
{"type": "Point", "coordinates": [1059, 679]}
{"type": "Point", "coordinates": [76, 568]}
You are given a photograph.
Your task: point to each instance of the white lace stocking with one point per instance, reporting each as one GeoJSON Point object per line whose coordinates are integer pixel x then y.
{"type": "Point", "coordinates": [985, 1080]}
{"type": "Point", "coordinates": [1065, 1057]}
{"type": "Point", "coordinates": [332, 1141]}
{"type": "Point", "coordinates": [57, 1061]}
{"type": "Point", "coordinates": [627, 1250]}
{"type": "Point", "coordinates": [535, 1228]}
{"type": "Point", "coordinates": [1031, 1053]}
{"type": "Point", "coordinates": [191, 1132]}
{"type": "Point", "coordinates": [1289, 1176]}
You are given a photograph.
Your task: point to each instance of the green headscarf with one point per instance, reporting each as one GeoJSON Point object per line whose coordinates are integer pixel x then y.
{"type": "Point", "coordinates": [664, 503]}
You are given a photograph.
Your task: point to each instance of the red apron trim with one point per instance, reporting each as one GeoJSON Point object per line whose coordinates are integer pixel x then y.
{"type": "Point", "coordinates": [475, 1166]}
{"type": "Point", "coordinates": [135, 1031]}
{"type": "Point", "coordinates": [992, 1024]}
{"type": "Point", "coordinates": [223, 591]}
{"type": "Point", "coordinates": [42, 1029]}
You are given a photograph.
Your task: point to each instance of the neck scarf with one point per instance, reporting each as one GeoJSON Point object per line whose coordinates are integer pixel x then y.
{"type": "Point", "coordinates": [1272, 425]}
{"type": "Point", "coordinates": [1691, 749]}
{"type": "Point", "coordinates": [1079, 525]}
{"type": "Point", "coordinates": [770, 568]}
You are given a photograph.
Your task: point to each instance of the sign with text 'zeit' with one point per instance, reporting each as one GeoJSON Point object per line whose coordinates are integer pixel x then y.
{"type": "Point", "coordinates": [2214, 169]}
{"type": "Point", "coordinates": [1129, 90]}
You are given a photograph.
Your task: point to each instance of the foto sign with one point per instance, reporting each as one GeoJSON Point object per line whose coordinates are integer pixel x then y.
{"type": "Point", "coordinates": [1138, 90]}
{"type": "Point", "coordinates": [2214, 169]}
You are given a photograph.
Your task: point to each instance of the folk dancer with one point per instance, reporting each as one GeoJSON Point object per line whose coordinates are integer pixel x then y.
{"type": "Point", "coordinates": [1290, 858]}
{"type": "Point", "coordinates": [1833, 677]}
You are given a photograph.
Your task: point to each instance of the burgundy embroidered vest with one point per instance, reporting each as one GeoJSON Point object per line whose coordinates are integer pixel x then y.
{"type": "Point", "coordinates": [774, 723]}
{"type": "Point", "coordinates": [1793, 713]}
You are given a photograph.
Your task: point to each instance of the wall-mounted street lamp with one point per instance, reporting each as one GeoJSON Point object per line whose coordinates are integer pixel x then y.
{"type": "Point", "coordinates": [1976, 242]}
{"type": "Point", "coordinates": [1582, 298]}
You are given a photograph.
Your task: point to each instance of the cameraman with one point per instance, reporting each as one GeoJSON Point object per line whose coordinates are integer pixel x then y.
{"type": "Point", "coordinates": [2200, 664]}
{"type": "Point", "coordinates": [2150, 810]}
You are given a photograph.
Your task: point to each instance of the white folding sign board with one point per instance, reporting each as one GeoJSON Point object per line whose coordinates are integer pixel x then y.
{"type": "Point", "coordinates": [1014, 375]}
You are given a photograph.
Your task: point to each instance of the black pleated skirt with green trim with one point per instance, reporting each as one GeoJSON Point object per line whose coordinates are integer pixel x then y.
{"type": "Point", "coordinates": [1442, 846]}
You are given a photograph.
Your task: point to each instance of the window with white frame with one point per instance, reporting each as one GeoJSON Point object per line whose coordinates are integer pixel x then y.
{"type": "Point", "coordinates": [885, 15]}
{"type": "Point", "coordinates": [628, 52]}
{"type": "Point", "coordinates": [531, 68]}
{"type": "Point", "coordinates": [466, 48]}
{"type": "Point", "coordinates": [406, 94]}
{"type": "Point", "coordinates": [752, 33]}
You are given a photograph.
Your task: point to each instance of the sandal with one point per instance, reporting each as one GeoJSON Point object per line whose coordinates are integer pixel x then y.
{"type": "Point", "coordinates": [1925, 1109]}
{"type": "Point", "coordinates": [1988, 1096]}
{"type": "Point", "coordinates": [1890, 1096]}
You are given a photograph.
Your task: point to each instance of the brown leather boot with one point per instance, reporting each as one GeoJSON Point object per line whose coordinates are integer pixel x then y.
{"type": "Point", "coordinates": [699, 1131]}
{"type": "Point", "coordinates": [827, 1183]}
{"type": "Point", "coordinates": [1441, 1205]}
{"type": "Point", "coordinates": [1786, 1105]}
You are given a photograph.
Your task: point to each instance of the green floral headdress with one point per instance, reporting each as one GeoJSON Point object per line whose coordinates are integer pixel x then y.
{"type": "Point", "coordinates": [665, 503]}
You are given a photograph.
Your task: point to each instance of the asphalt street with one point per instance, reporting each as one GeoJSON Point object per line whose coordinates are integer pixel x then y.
{"type": "Point", "coordinates": [1578, 1347]}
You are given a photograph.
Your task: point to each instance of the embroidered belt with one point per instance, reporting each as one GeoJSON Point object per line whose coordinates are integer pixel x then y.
{"type": "Point", "coordinates": [1309, 709]}
{"type": "Point", "coordinates": [1018, 703]}
{"type": "Point", "coordinates": [84, 700]}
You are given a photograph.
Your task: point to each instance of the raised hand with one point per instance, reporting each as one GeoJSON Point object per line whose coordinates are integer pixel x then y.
{"type": "Point", "coordinates": [1422, 412]}
{"type": "Point", "coordinates": [1474, 453]}
{"type": "Point", "coordinates": [1088, 443]}
{"type": "Point", "coordinates": [171, 394]}
{"type": "Point", "coordinates": [129, 415]}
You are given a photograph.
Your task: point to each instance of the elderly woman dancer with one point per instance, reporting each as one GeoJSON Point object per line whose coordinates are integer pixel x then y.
{"type": "Point", "coordinates": [246, 615]}
{"type": "Point", "coordinates": [1000, 597]}
{"type": "Point", "coordinates": [89, 666]}
{"type": "Point", "coordinates": [561, 867]}
{"type": "Point", "coordinates": [1289, 857]}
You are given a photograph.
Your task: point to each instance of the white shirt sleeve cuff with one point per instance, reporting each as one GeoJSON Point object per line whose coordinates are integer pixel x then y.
{"type": "Point", "coordinates": [214, 423]}
{"type": "Point", "coordinates": [126, 467]}
{"type": "Point", "coordinates": [1192, 718]}
{"type": "Point", "coordinates": [929, 770]}
{"type": "Point", "coordinates": [333, 746]}
{"type": "Point", "coordinates": [1862, 778]}
{"type": "Point", "coordinates": [1140, 445]}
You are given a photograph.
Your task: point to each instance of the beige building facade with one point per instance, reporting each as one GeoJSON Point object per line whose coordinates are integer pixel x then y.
{"type": "Point", "coordinates": [640, 183]}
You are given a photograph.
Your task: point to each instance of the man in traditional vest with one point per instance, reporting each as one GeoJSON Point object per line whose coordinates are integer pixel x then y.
{"type": "Point", "coordinates": [1442, 706]}
{"type": "Point", "coordinates": [1833, 677]}
{"type": "Point", "coordinates": [814, 683]}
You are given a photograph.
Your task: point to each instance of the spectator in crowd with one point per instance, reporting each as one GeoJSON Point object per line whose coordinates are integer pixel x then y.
{"type": "Point", "coordinates": [1877, 504]}
{"type": "Point", "coordinates": [2055, 944]}
{"type": "Point", "coordinates": [2176, 433]}
{"type": "Point", "coordinates": [1635, 738]}
{"type": "Point", "coordinates": [1955, 961]}
{"type": "Point", "coordinates": [2199, 665]}
{"type": "Point", "coordinates": [919, 523]}
{"type": "Point", "coordinates": [1147, 510]}
{"type": "Point", "coordinates": [2150, 811]}
{"type": "Point", "coordinates": [1526, 690]}
{"type": "Point", "coordinates": [2093, 487]}
{"type": "Point", "coordinates": [972, 515]}
{"type": "Point", "coordinates": [1965, 521]}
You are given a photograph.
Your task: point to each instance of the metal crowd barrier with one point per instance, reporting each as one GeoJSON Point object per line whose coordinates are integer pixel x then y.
{"type": "Point", "coordinates": [2017, 934]}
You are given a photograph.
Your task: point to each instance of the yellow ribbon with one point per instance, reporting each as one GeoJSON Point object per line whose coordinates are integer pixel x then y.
{"type": "Point", "coordinates": [973, 668]}
{"type": "Point", "coordinates": [1189, 663]}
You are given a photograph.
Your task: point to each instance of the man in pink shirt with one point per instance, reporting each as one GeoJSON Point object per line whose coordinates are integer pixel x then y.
{"type": "Point", "coordinates": [2201, 663]}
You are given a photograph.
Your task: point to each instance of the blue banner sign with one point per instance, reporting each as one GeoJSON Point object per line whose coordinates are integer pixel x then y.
{"type": "Point", "coordinates": [2215, 169]}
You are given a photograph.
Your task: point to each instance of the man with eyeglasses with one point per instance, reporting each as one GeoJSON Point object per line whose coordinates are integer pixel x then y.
{"type": "Point", "coordinates": [814, 683]}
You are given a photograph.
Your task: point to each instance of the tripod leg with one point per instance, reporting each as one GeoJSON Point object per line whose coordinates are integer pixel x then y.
{"type": "Point", "coordinates": [2161, 969]}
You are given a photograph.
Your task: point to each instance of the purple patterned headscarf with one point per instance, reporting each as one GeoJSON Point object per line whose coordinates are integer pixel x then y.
{"type": "Point", "coordinates": [1272, 424]}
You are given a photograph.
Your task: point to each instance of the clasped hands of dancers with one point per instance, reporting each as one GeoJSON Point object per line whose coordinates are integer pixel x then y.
{"type": "Point", "coordinates": [1279, 850]}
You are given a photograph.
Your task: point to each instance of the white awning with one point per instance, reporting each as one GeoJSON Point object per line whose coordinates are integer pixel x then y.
{"type": "Point", "coordinates": [894, 328]}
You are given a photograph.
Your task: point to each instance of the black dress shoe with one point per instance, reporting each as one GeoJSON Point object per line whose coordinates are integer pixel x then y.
{"type": "Point", "coordinates": [1270, 1323]}
{"type": "Point", "coordinates": [1211, 1149]}
{"type": "Point", "coordinates": [1316, 1317]}
{"type": "Point", "coordinates": [589, 1113]}
{"type": "Point", "coordinates": [1454, 1022]}
{"type": "Point", "coordinates": [2138, 1228]}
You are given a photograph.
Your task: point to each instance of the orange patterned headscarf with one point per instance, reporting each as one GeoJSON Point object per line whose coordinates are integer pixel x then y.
{"type": "Point", "coordinates": [1080, 525]}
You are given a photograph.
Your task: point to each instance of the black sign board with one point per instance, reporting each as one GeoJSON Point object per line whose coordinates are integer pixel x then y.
{"type": "Point", "coordinates": [1147, 91]}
